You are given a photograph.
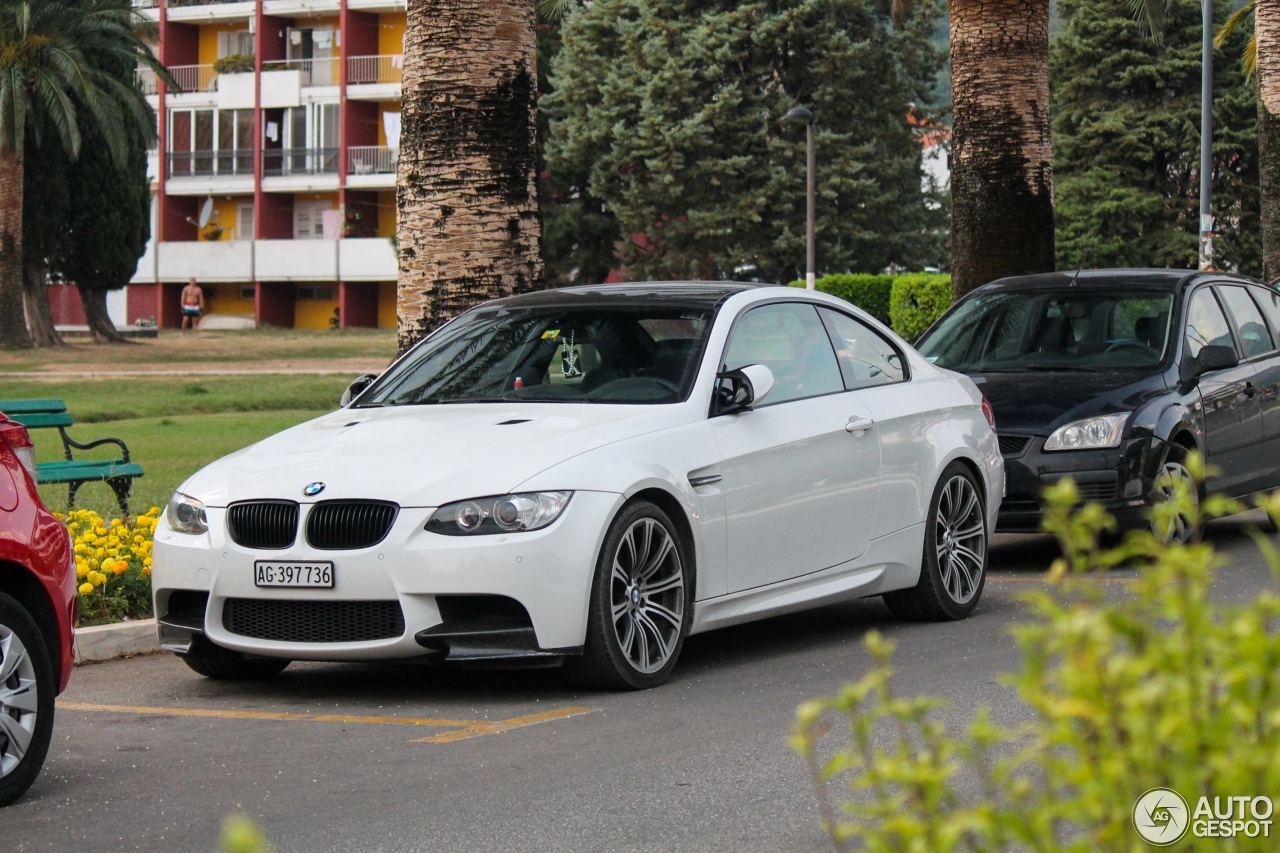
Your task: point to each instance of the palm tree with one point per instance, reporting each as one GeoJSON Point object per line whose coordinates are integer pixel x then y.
{"type": "Point", "coordinates": [1262, 57]}
{"type": "Point", "coordinates": [1001, 153]}
{"type": "Point", "coordinates": [52, 80]}
{"type": "Point", "coordinates": [468, 226]}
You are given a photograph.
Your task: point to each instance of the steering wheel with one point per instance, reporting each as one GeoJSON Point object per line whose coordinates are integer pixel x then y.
{"type": "Point", "coordinates": [1119, 345]}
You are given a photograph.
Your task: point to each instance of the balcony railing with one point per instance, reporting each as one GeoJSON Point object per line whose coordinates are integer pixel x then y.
{"type": "Point", "coordinates": [375, 69]}
{"type": "Point", "coordinates": [203, 164]}
{"type": "Point", "coordinates": [198, 2]}
{"type": "Point", "coordinates": [314, 72]}
{"type": "Point", "coordinates": [147, 80]}
{"type": "Point", "coordinates": [145, 4]}
{"type": "Point", "coordinates": [371, 160]}
{"type": "Point", "coordinates": [300, 161]}
{"type": "Point", "coordinates": [194, 78]}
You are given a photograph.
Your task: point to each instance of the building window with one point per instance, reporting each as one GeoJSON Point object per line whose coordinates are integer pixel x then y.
{"type": "Point", "coordinates": [315, 294]}
{"type": "Point", "coordinates": [206, 142]}
{"type": "Point", "coordinates": [248, 293]}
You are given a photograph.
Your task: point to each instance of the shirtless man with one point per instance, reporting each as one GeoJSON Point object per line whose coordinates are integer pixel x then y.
{"type": "Point", "coordinates": [192, 306]}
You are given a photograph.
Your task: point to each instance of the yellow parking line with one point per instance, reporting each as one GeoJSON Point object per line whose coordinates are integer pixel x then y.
{"type": "Point", "coordinates": [265, 715]}
{"type": "Point", "coordinates": [487, 728]}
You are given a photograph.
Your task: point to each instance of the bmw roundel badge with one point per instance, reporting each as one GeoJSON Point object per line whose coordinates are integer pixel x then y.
{"type": "Point", "coordinates": [313, 489]}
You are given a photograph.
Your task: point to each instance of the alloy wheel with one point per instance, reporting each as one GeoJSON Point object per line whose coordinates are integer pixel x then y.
{"type": "Point", "coordinates": [960, 536]}
{"type": "Point", "coordinates": [1181, 529]}
{"type": "Point", "coordinates": [647, 595]}
{"type": "Point", "coordinates": [19, 699]}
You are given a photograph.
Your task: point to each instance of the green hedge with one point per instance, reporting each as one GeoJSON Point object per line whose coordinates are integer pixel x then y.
{"type": "Point", "coordinates": [906, 303]}
{"type": "Point", "coordinates": [916, 301]}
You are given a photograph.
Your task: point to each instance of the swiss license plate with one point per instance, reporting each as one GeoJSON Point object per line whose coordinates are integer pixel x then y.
{"type": "Point", "coordinates": [293, 575]}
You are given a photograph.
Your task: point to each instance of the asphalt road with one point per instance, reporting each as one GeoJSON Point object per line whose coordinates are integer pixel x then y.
{"type": "Point", "coordinates": [149, 756]}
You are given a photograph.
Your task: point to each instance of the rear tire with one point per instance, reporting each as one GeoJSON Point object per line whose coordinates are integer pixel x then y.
{"type": "Point", "coordinates": [953, 568]}
{"type": "Point", "coordinates": [226, 665]}
{"type": "Point", "coordinates": [641, 604]}
{"type": "Point", "coordinates": [26, 700]}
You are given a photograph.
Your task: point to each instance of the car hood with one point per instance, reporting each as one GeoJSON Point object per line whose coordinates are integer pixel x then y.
{"type": "Point", "coordinates": [1038, 402]}
{"type": "Point", "coordinates": [422, 456]}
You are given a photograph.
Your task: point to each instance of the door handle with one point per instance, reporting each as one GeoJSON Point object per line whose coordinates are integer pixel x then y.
{"type": "Point", "coordinates": [858, 424]}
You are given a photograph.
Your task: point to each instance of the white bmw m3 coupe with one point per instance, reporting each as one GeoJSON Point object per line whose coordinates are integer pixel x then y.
{"type": "Point", "coordinates": [589, 476]}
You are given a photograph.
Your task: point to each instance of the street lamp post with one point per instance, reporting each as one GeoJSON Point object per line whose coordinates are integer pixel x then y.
{"type": "Point", "coordinates": [803, 114]}
{"type": "Point", "coordinates": [1206, 136]}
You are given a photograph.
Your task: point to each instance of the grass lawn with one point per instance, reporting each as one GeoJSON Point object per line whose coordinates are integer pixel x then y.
{"type": "Point", "coordinates": [298, 348]}
{"type": "Point", "coordinates": [170, 449]}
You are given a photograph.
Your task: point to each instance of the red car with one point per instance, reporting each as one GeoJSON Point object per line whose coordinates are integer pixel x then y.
{"type": "Point", "coordinates": [37, 614]}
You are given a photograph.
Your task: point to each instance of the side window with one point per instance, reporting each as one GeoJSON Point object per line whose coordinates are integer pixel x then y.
{"type": "Point", "coordinates": [790, 340]}
{"type": "Point", "coordinates": [865, 358]}
{"type": "Point", "coordinates": [1269, 299]}
{"type": "Point", "coordinates": [1206, 324]}
{"type": "Point", "coordinates": [1255, 337]}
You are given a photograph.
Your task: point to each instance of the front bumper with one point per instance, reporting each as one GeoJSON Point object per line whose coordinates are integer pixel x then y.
{"type": "Point", "coordinates": [1119, 478]}
{"type": "Point", "coordinates": [438, 584]}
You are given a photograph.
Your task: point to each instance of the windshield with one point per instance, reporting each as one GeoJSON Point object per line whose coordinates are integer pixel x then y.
{"type": "Point", "coordinates": [1053, 330]}
{"type": "Point", "coordinates": [602, 355]}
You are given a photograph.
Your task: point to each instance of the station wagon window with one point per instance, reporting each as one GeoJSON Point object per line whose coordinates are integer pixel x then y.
{"type": "Point", "coordinates": [1255, 337]}
{"type": "Point", "coordinates": [866, 359]}
{"type": "Point", "coordinates": [1206, 324]}
{"type": "Point", "coordinates": [790, 340]}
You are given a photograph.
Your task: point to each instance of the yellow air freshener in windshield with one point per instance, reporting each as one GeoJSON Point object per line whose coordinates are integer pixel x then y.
{"type": "Point", "coordinates": [551, 333]}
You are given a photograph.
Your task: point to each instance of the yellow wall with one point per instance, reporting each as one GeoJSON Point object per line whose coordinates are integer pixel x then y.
{"type": "Point", "coordinates": [386, 214]}
{"type": "Point", "coordinates": [225, 216]}
{"type": "Point", "coordinates": [308, 314]}
{"type": "Point", "coordinates": [225, 299]}
{"type": "Point", "coordinates": [209, 39]}
{"type": "Point", "coordinates": [386, 305]}
{"type": "Point", "coordinates": [391, 33]}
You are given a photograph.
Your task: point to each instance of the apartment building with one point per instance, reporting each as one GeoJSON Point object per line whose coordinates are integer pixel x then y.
{"type": "Point", "coordinates": [274, 179]}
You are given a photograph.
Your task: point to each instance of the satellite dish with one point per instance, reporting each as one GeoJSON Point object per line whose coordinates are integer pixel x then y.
{"type": "Point", "coordinates": [206, 211]}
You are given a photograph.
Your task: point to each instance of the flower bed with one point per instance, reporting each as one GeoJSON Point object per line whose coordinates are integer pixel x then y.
{"type": "Point", "coordinates": [113, 565]}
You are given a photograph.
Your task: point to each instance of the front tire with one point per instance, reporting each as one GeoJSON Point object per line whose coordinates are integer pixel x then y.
{"type": "Point", "coordinates": [226, 665]}
{"type": "Point", "coordinates": [26, 700]}
{"type": "Point", "coordinates": [1183, 529]}
{"type": "Point", "coordinates": [953, 568]}
{"type": "Point", "coordinates": [641, 604]}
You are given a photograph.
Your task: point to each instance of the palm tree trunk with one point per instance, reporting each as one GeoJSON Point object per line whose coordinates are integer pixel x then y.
{"type": "Point", "coordinates": [13, 325]}
{"type": "Point", "coordinates": [1001, 157]}
{"type": "Point", "coordinates": [94, 302]}
{"type": "Point", "coordinates": [36, 298]}
{"type": "Point", "coordinates": [468, 228]}
{"type": "Point", "coordinates": [1267, 30]}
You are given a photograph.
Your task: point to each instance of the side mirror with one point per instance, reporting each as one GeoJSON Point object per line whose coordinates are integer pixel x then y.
{"type": "Point", "coordinates": [1211, 358]}
{"type": "Point", "coordinates": [354, 389]}
{"type": "Point", "coordinates": [739, 390]}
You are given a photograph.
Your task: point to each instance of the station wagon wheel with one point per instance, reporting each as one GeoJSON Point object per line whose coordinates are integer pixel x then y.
{"type": "Point", "coordinates": [640, 604]}
{"type": "Point", "coordinates": [26, 700]}
{"type": "Point", "coordinates": [1183, 528]}
{"type": "Point", "coordinates": [953, 568]}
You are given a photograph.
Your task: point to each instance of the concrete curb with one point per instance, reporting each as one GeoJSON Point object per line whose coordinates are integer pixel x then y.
{"type": "Point", "coordinates": [105, 642]}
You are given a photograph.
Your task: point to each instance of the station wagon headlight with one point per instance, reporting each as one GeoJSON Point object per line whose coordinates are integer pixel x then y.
{"type": "Point", "coordinates": [501, 514]}
{"type": "Point", "coordinates": [1089, 434]}
{"type": "Point", "coordinates": [186, 514]}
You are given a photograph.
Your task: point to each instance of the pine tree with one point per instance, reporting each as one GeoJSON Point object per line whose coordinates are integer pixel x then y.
{"type": "Point", "coordinates": [1127, 141]}
{"type": "Point", "coordinates": [672, 108]}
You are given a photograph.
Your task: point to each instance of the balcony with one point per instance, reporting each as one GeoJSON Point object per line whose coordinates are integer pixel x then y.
{"type": "Point", "coordinates": [147, 81]}
{"type": "Point", "coordinates": [388, 68]}
{"type": "Point", "coordinates": [312, 72]}
{"type": "Point", "coordinates": [371, 166]}
{"type": "Point", "coordinates": [194, 78]}
{"type": "Point", "coordinates": [296, 260]}
{"type": "Point", "coordinates": [209, 10]}
{"type": "Point", "coordinates": [202, 164]}
{"type": "Point", "coordinates": [375, 78]}
{"type": "Point", "coordinates": [367, 259]}
{"type": "Point", "coordinates": [226, 260]}
{"type": "Point", "coordinates": [282, 162]}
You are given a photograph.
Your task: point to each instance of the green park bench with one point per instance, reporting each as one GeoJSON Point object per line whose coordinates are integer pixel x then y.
{"type": "Point", "coordinates": [119, 474]}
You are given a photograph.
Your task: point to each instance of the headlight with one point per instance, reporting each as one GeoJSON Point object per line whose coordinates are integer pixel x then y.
{"type": "Point", "coordinates": [502, 514]}
{"type": "Point", "coordinates": [186, 514]}
{"type": "Point", "coordinates": [1089, 434]}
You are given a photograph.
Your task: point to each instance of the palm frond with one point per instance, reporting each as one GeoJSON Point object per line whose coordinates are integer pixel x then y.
{"type": "Point", "coordinates": [553, 11]}
{"type": "Point", "coordinates": [1241, 19]}
{"type": "Point", "coordinates": [1153, 15]}
{"type": "Point", "coordinates": [899, 9]}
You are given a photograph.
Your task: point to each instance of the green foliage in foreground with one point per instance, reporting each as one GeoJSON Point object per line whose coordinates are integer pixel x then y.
{"type": "Point", "coordinates": [1158, 688]}
{"type": "Point", "coordinates": [241, 835]}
